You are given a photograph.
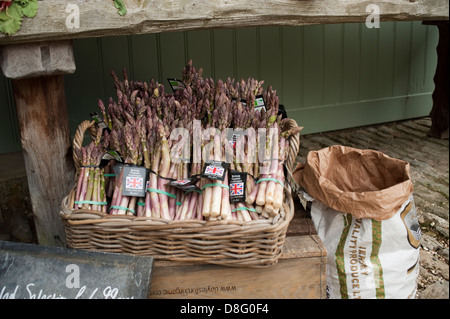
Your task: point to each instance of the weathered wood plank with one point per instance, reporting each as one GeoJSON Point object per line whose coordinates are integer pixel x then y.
{"type": "Point", "coordinates": [45, 135]}
{"type": "Point", "coordinates": [100, 18]}
{"type": "Point", "coordinates": [299, 274]}
{"type": "Point", "coordinates": [289, 279]}
{"type": "Point", "coordinates": [29, 60]}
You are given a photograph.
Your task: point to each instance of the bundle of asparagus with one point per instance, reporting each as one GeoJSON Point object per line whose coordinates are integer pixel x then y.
{"type": "Point", "coordinates": [265, 185]}
{"type": "Point", "coordinates": [90, 192]}
{"type": "Point", "coordinates": [141, 126]}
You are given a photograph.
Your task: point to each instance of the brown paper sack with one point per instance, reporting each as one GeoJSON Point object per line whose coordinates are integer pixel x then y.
{"type": "Point", "coordinates": [364, 183]}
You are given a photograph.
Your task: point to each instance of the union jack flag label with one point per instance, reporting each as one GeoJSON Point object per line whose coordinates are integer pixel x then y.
{"type": "Point", "coordinates": [236, 189]}
{"type": "Point", "coordinates": [215, 170]}
{"type": "Point", "coordinates": [134, 181]}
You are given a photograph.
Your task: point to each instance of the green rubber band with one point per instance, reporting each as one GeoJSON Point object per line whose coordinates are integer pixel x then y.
{"type": "Point", "coordinates": [244, 208]}
{"type": "Point", "coordinates": [141, 203]}
{"type": "Point", "coordinates": [123, 208]}
{"type": "Point", "coordinates": [109, 175]}
{"type": "Point", "coordinates": [178, 203]}
{"type": "Point", "coordinates": [161, 192]}
{"type": "Point", "coordinates": [270, 179]}
{"type": "Point", "coordinates": [215, 184]}
{"type": "Point", "coordinates": [90, 202]}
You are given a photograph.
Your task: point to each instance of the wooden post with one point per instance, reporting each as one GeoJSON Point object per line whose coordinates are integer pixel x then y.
{"type": "Point", "coordinates": [38, 85]}
{"type": "Point", "coordinates": [440, 111]}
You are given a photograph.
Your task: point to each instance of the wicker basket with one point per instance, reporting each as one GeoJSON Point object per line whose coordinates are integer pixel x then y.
{"type": "Point", "coordinates": [255, 243]}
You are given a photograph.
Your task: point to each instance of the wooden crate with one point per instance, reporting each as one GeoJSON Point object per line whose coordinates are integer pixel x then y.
{"type": "Point", "coordinates": [299, 274]}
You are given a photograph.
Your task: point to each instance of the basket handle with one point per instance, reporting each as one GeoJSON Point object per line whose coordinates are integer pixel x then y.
{"type": "Point", "coordinates": [78, 140]}
{"type": "Point", "coordinates": [294, 141]}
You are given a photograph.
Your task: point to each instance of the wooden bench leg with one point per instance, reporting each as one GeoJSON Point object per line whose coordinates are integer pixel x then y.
{"type": "Point", "coordinates": [45, 136]}
{"type": "Point", "coordinates": [36, 72]}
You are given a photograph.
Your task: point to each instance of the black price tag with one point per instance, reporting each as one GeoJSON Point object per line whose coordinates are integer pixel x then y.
{"type": "Point", "coordinates": [134, 181]}
{"type": "Point", "coordinates": [176, 85]}
{"type": "Point", "coordinates": [99, 122]}
{"type": "Point", "coordinates": [187, 184]}
{"type": "Point", "coordinates": [215, 170]}
{"type": "Point", "coordinates": [259, 103]}
{"type": "Point", "coordinates": [237, 183]}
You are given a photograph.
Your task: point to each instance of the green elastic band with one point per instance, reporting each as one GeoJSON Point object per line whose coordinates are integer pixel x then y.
{"type": "Point", "coordinates": [270, 179]}
{"type": "Point", "coordinates": [141, 203]}
{"type": "Point", "coordinates": [123, 208]}
{"type": "Point", "coordinates": [109, 175]}
{"type": "Point", "coordinates": [90, 202]}
{"type": "Point", "coordinates": [215, 184]}
{"type": "Point", "coordinates": [244, 208]}
{"type": "Point", "coordinates": [161, 192]}
{"type": "Point", "coordinates": [178, 203]}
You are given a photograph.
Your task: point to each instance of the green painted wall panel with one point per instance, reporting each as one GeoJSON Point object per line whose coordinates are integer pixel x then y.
{"type": "Point", "coordinates": [418, 62]}
{"type": "Point", "coordinates": [270, 55]}
{"type": "Point", "coordinates": [313, 67]}
{"type": "Point", "coordinates": [292, 67]}
{"type": "Point", "coordinates": [115, 55]}
{"type": "Point", "coordinates": [332, 64]}
{"type": "Point", "coordinates": [247, 53]}
{"type": "Point", "coordinates": [144, 50]}
{"type": "Point", "coordinates": [386, 49]}
{"type": "Point", "coordinates": [351, 62]}
{"type": "Point", "coordinates": [83, 89]}
{"type": "Point", "coordinates": [368, 63]}
{"type": "Point", "coordinates": [402, 58]}
{"type": "Point", "coordinates": [172, 48]}
{"type": "Point", "coordinates": [199, 46]}
{"type": "Point", "coordinates": [224, 54]}
{"type": "Point", "coordinates": [327, 76]}
{"type": "Point", "coordinates": [337, 116]}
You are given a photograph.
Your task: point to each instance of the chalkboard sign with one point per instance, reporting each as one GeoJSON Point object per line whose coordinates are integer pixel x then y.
{"type": "Point", "coordinates": [40, 272]}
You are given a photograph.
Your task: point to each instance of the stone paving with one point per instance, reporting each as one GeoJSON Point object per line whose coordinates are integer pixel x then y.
{"type": "Point", "coordinates": [429, 168]}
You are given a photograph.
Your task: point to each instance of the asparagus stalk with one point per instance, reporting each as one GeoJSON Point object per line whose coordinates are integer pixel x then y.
{"type": "Point", "coordinates": [269, 198]}
{"type": "Point", "coordinates": [216, 194]}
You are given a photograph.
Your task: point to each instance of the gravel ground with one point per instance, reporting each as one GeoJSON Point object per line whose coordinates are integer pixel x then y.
{"type": "Point", "coordinates": [429, 161]}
